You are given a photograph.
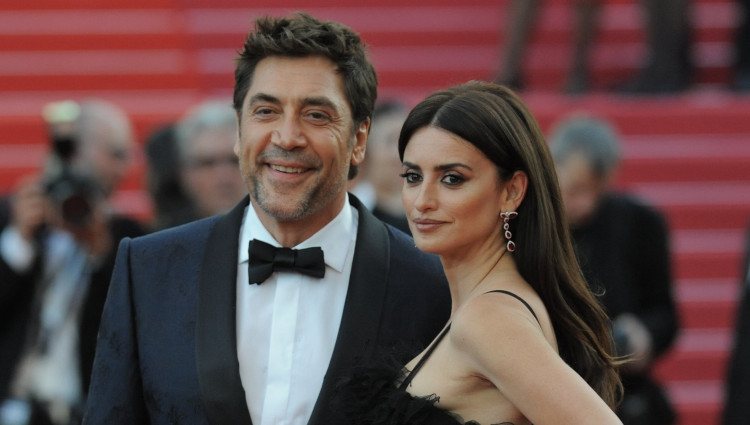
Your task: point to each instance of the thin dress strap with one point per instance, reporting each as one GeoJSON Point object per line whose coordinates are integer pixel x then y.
{"type": "Point", "coordinates": [440, 337]}
{"type": "Point", "coordinates": [519, 299]}
{"type": "Point", "coordinates": [424, 358]}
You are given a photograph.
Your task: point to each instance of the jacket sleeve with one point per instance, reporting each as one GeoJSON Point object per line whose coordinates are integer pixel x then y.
{"type": "Point", "coordinates": [116, 393]}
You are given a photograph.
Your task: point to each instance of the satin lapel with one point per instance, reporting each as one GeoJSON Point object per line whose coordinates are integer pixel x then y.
{"type": "Point", "coordinates": [363, 307]}
{"type": "Point", "coordinates": [216, 339]}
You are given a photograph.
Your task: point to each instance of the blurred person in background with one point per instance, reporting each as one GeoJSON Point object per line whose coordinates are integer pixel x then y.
{"type": "Point", "coordinates": [56, 258]}
{"type": "Point", "coordinates": [379, 188]}
{"type": "Point", "coordinates": [669, 67]}
{"type": "Point", "coordinates": [163, 178]}
{"type": "Point", "coordinates": [623, 247]}
{"type": "Point", "coordinates": [206, 167]}
{"type": "Point", "coordinates": [741, 82]}
{"type": "Point", "coordinates": [737, 389]}
{"type": "Point", "coordinates": [4, 211]}
{"type": "Point", "coordinates": [521, 19]}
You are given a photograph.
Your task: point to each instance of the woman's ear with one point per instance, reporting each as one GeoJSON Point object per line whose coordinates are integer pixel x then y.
{"type": "Point", "coordinates": [514, 191]}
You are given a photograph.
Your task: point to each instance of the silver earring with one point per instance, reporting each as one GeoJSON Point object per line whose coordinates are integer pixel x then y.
{"type": "Point", "coordinates": [507, 217]}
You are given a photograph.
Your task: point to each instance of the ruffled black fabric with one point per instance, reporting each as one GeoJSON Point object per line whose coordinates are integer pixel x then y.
{"type": "Point", "coordinates": [370, 396]}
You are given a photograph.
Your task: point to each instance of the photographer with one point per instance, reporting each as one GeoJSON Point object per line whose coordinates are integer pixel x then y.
{"type": "Point", "coordinates": [56, 257]}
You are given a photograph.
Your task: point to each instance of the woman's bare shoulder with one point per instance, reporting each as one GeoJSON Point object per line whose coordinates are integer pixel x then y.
{"type": "Point", "coordinates": [497, 320]}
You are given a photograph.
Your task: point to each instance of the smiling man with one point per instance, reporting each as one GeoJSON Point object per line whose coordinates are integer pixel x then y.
{"type": "Point", "coordinates": [256, 315]}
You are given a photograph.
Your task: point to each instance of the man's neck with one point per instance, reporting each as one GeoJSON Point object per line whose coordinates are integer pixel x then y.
{"type": "Point", "coordinates": [292, 233]}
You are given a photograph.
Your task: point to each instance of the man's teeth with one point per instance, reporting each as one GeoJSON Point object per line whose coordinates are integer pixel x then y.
{"type": "Point", "coordinates": [287, 169]}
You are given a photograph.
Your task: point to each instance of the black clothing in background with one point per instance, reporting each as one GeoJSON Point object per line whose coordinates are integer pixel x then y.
{"type": "Point", "coordinates": [172, 207]}
{"type": "Point", "coordinates": [624, 252]}
{"type": "Point", "coordinates": [91, 312]}
{"type": "Point", "coordinates": [737, 402]}
{"type": "Point", "coordinates": [742, 48]}
{"type": "Point", "coordinates": [16, 299]}
{"type": "Point", "coordinates": [4, 212]}
{"type": "Point", "coordinates": [17, 295]}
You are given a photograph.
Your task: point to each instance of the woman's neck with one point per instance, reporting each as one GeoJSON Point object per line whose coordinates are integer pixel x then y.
{"type": "Point", "coordinates": [470, 272]}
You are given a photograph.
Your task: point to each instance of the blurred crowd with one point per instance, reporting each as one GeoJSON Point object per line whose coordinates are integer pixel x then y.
{"type": "Point", "coordinates": [668, 29]}
{"type": "Point", "coordinates": [59, 234]}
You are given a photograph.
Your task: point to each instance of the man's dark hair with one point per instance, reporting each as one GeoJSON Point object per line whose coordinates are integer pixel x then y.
{"type": "Point", "coordinates": [302, 35]}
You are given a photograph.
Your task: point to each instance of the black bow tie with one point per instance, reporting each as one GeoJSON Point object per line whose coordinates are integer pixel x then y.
{"type": "Point", "coordinates": [265, 259]}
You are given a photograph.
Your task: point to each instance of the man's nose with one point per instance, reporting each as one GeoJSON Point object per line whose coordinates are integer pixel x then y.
{"type": "Point", "coordinates": [289, 134]}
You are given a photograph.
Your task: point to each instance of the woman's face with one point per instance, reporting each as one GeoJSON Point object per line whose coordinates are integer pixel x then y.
{"type": "Point", "coordinates": [452, 194]}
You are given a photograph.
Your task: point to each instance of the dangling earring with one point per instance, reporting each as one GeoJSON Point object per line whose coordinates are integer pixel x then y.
{"type": "Point", "coordinates": [507, 217]}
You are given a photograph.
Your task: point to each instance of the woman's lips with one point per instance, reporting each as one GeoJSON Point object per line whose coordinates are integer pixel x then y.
{"type": "Point", "coordinates": [426, 225]}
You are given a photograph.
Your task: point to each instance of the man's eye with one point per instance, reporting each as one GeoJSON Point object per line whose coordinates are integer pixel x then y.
{"type": "Point", "coordinates": [263, 111]}
{"type": "Point", "coordinates": [318, 116]}
{"type": "Point", "coordinates": [411, 177]}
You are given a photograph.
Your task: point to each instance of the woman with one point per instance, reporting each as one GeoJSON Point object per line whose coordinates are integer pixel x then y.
{"type": "Point", "coordinates": [527, 341]}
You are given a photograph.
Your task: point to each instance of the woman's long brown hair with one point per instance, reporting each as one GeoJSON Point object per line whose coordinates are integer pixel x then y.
{"type": "Point", "coordinates": [495, 120]}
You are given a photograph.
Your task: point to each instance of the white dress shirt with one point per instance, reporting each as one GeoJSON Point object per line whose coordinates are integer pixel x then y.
{"type": "Point", "coordinates": [287, 326]}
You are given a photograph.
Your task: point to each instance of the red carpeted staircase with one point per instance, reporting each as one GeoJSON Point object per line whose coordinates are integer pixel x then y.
{"type": "Point", "coordinates": [687, 154]}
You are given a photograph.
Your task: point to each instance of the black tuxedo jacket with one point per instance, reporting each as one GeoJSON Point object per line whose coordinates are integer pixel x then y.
{"type": "Point", "coordinates": [167, 351]}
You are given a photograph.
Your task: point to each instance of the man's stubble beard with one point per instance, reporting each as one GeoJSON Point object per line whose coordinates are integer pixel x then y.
{"type": "Point", "coordinates": [314, 200]}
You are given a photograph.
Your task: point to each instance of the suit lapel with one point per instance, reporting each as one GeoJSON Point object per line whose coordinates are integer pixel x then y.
{"type": "Point", "coordinates": [363, 306]}
{"type": "Point", "coordinates": [216, 339]}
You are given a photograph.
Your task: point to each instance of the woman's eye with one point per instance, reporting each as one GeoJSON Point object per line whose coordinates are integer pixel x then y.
{"type": "Point", "coordinates": [411, 177]}
{"type": "Point", "coordinates": [452, 179]}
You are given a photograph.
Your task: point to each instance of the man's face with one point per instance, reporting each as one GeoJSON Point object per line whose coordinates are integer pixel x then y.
{"type": "Point", "coordinates": [581, 188]}
{"type": "Point", "coordinates": [297, 140]}
{"type": "Point", "coordinates": [210, 174]}
{"type": "Point", "coordinates": [383, 163]}
{"type": "Point", "coordinates": [108, 155]}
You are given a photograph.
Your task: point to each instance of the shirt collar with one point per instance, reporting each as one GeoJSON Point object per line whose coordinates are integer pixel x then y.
{"type": "Point", "coordinates": [330, 238]}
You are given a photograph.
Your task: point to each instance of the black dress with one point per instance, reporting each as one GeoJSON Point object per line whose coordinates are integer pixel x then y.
{"type": "Point", "coordinates": [370, 395]}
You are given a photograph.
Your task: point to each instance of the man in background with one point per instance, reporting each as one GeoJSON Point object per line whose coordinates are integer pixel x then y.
{"type": "Point", "coordinates": [623, 247]}
{"type": "Point", "coordinates": [56, 258]}
{"type": "Point", "coordinates": [205, 166]}
{"type": "Point", "coordinates": [379, 188]}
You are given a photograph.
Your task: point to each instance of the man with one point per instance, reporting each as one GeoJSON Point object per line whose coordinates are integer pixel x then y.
{"type": "Point", "coordinates": [206, 165]}
{"type": "Point", "coordinates": [200, 327]}
{"type": "Point", "coordinates": [623, 248]}
{"type": "Point", "coordinates": [380, 189]}
{"type": "Point", "coordinates": [57, 252]}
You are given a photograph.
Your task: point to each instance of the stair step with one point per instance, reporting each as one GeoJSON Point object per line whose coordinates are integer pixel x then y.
{"type": "Point", "coordinates": [681, 366]}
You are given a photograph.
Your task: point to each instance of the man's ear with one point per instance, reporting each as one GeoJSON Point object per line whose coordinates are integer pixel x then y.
{"type": "Point", "coordinates": [360, 142]}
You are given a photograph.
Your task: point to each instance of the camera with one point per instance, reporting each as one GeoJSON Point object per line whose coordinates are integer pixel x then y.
{"type": "Point", "coordinates": [73, 193]}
